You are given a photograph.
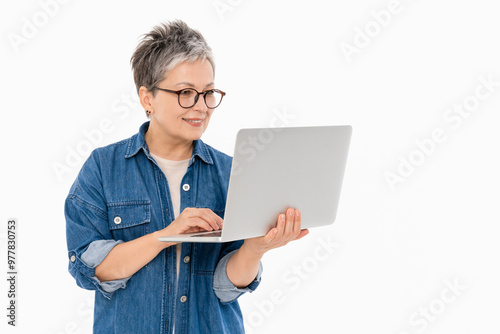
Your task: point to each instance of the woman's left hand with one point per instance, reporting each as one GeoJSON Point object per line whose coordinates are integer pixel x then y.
{"type": "Point", "coordinates": [243, 266]}
{"type": "Point", "coordinates": [287, 229]}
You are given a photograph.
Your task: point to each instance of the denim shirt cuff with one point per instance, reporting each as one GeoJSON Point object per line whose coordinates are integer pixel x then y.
{"type": "Point", "coordinates": [224, 289]}
{"type": "Point", "coordinates": [94, 255]}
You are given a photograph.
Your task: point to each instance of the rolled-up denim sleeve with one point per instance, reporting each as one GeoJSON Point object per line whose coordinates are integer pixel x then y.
{"type": "Point", "coordinates": [83, 228]}
{"type": "Point", "coordinates": [224, 289]}
{"type": "Point", "coordinates": [95, 254]}
{"type": "Point", "coordinates": [88, 236]}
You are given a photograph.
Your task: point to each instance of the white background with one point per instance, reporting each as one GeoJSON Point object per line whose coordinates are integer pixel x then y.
{"type": "Point", "coordinates": [395, 247]}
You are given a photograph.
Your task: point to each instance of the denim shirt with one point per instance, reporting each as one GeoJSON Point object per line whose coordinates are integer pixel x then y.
{"type": "Point", "coordinates": [121, 194]}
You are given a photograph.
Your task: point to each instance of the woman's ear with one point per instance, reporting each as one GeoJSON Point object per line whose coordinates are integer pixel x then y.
{"type": "Point", "coordinates": [145, 97]}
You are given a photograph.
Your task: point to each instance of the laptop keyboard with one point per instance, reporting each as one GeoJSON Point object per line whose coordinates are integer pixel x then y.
{"type": "Point", "coordinates": [208, 234]}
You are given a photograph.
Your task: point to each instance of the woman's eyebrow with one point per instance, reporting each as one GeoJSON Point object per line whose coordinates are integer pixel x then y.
{"type": "Point", "coordinates": [192, 85]}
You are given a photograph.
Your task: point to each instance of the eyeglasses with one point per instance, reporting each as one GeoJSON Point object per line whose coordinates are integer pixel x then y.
{"type": "Point", "coordinates": [188, 97]}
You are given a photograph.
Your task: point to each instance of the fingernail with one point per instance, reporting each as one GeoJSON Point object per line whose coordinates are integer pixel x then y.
{"type": "Point", "coordinates": [282, 217]}
{"type": "Point", "coordinates": [290, 212]}
{"type": "Point", "coordinates": [297, 213]}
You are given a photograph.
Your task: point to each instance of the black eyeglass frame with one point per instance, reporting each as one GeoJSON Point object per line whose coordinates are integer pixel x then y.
{"type": "Point", "coordinates": [178, 92]}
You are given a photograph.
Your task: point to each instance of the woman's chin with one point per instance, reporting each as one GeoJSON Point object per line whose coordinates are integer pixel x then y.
{"type": "Point", "coordinates": [194, 135]}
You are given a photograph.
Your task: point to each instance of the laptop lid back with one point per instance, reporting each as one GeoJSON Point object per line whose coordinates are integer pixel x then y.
{"type": "Point", "coordinates": [276, 168]}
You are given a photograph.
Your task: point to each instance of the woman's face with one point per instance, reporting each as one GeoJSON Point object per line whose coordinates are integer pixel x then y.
{"type": "Point", "coordinates": [179, 124]}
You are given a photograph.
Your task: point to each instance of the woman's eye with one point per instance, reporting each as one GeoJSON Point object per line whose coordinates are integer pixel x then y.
{"type": "Point", "coordinates": [186, 92]}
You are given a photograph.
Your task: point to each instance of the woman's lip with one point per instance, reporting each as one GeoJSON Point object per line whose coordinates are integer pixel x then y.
{"type": "Point", "coordinates": [194, 121]}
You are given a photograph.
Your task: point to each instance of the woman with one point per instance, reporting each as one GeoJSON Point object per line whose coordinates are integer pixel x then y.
{"type": "Point", "coordinates": [164, 181]}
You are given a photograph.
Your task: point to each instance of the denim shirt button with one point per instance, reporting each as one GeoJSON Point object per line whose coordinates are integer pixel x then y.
{"type": "Point", "coordinates": [185, 187]}
{"type": "Point", "coordinates": [183, 299]}
{"type": "Point", "coordinates": [73, 258]}
{"type": "Point", "coordinates": [117, 220]}
{"type": "Point", "coordinates": [186, 259]}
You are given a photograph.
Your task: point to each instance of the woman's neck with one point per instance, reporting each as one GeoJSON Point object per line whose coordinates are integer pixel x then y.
{"type": "Point", "coordinates": [167, 147]}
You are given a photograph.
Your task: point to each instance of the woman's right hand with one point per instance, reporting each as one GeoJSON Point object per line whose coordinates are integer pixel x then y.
{"type": "Point", "coordinates": [126, 258]}
{"type": "Point", "coordinates": [193, 220]}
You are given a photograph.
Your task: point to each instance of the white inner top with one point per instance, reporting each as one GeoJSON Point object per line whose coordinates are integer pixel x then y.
{"type": "Point", "coordinates": [174, 171]}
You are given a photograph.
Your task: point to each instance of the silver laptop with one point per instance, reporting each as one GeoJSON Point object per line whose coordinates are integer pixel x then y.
{"type": "Point", "coordinates": [277, 168]}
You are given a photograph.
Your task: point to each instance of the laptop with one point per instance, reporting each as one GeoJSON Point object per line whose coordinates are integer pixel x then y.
{"type": "Point", "coordinates": [277, 168]}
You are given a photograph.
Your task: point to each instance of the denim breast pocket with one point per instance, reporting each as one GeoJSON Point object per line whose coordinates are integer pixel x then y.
{"type": "Point", "coordinates": [129, 220]}
{"type": "Point", "coordinates": [205, 257]}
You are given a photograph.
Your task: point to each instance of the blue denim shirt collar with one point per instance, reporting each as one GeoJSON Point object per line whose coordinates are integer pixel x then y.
{"type": "Point", "coordinates": [138, 142]}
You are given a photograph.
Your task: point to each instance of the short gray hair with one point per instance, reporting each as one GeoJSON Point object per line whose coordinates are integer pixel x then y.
{"type": "Point", "coordinates": [166, 46]}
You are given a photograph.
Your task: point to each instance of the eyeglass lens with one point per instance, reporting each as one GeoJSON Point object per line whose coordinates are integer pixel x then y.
{"type": "Point", "coordinates": [188, 98]}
